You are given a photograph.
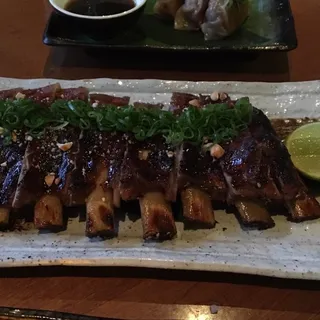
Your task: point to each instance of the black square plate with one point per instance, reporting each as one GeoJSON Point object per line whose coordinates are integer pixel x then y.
{"type": "Point", "coordinates": [270, 27]}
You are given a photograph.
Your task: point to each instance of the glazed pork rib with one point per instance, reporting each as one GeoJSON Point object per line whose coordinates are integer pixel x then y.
{"type": "Point", "coordinates": [257, 168]}
{"type": "Point", "coordinates": [71, 167]}
{"type": "Point", "coordinates": [64, 167]}
{"type": "Point", "coordinates": [294, 193]}
{"type": "Point", "coordinates": [12, 154]}
{"type": "Point", "coordinates": [101, 163]}
{"type": "Point", "coordinates": [11, 158]}
{"type": "Point", "coordinates": [130, 170]}
{"type": "Point", "coordinates": [249, 185]}
{"type": "Point", "coordinates": [253, 179]}
{"type": "Point", "coordinates": [45, 177]}
{"type": "Point", "coordinates": [50, 166]}
{"type": "Point", "coordinates": [148, 174]}
{"type": "Point", "coordinates": [103, 156]}
{"type": "Point", "coordinates": [200, 179]}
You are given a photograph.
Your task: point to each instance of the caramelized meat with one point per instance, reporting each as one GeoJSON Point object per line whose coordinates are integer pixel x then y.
{"type": "Point", "coordinates": [200, 178]}
{"type": "Point", "coordinates": [147, 167]}
{"type": "Point", "coordinates": [11, 158]}
{"type": "Point", "coordinates": [99, 99]}
{"type": "Point", "coordinates": [70, 167]}
{"type": "Point", "coordinates": [157, 218]}
{"type": "Point", "coordinates": [45, 95]}
{"type": "Point", "coordinates": [9, 93]}
{"type": "Point", "coordinates": [253, 213]}
{"type": "Point", "coordinates": [80, 93]}
{"type": "Point", "coordinates": [199, 169]}
{"type": "Point", "coordinates": [247, 171]}
{"type": "Point", "coordinates": [197, 208]}
{"type": "Point", "coordinates": [46, 169]}
{"type": "Point", "coordinates": [100, 213]}
{"type": "Point", "coordinates": [148, 172]}
{"type": "Point", "coordinates": [144, 105]}
{"type": "Point", "coordinates": [180, 100]}
{"type": "Point", "coordinates": [4, 217]}
{"type": "Point", "coordinates": [101, 161]}
{"type": "Point", "coordinates": [48, 213]}
{"type": "Point", "coordinates": [300, 205]}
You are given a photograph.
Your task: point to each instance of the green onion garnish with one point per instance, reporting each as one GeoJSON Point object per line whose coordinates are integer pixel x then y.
{"type": "Point", "coordinates": [217, 123]}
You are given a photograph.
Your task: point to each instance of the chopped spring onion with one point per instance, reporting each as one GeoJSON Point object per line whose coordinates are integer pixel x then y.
{"type": "Point", "coordinates": [217, 122]}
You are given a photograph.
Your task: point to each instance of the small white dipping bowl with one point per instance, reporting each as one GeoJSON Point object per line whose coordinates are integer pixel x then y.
{"type": "Point", "coordinates": [118, 21]}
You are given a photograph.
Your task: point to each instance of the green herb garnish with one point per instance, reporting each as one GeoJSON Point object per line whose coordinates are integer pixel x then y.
{"type": "Point", "coordinates": [217, 122]}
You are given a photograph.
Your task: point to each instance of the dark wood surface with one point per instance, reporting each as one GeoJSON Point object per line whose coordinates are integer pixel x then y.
{"type": "Point", "coordinates": [143, 293]}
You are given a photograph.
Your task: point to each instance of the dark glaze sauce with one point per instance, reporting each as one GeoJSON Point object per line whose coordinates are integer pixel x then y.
{"type": "Point", "coordinates": [11, 157]}
{"type": "Point", "coordinates": [99, 7]}
{"type": "Point", "coordinates": [284, 127]}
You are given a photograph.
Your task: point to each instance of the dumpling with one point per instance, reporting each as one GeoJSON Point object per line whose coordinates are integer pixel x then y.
{"type": "Point", "coordinates": [223, 17]}
{"type": "Point", "coordinates": [191, 15]}
{"type": "Point", "coordinates": [167, 8]}
{"type": "Point", "coordinates": [181, 21]}
{"type": "Point", "coordinates": [195, 10]}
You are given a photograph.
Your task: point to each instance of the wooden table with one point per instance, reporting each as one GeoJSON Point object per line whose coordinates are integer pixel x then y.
{"type": "Point", "coordinates": [142, 293]}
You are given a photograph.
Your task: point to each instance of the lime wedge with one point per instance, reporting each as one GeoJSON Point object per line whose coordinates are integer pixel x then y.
{"type": "Point", "coordinates": [304, 147]}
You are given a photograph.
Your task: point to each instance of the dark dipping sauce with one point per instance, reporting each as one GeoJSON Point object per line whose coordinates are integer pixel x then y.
{"type": "Point", "coordinates": [99, 7]}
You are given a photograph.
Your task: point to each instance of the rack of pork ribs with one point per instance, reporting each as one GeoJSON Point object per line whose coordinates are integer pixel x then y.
{"type": "Point", "coordinates": [101, 170]}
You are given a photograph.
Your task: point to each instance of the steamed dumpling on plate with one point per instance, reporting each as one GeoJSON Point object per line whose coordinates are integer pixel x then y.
{"type": "Point", "coordinates": [223, 17]}
{"type": "Point", "coordinates": [217, 19]}
{"type": "Point", "coordinates": [167, 8]}
{"type": "Point", "coordinates": [184, 22]}
{"type": "Point", "coordinates": [191, 15]}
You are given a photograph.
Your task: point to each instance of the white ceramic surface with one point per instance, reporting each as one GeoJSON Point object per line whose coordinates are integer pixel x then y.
{"type": "Point", "coordinates": [289, 250]}
{"type": "Point", "coordinates": [60, 5]}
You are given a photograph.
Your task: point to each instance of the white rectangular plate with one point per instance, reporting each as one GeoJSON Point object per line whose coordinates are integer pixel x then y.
{"type": "Point", "coordinates": [288, 250]}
